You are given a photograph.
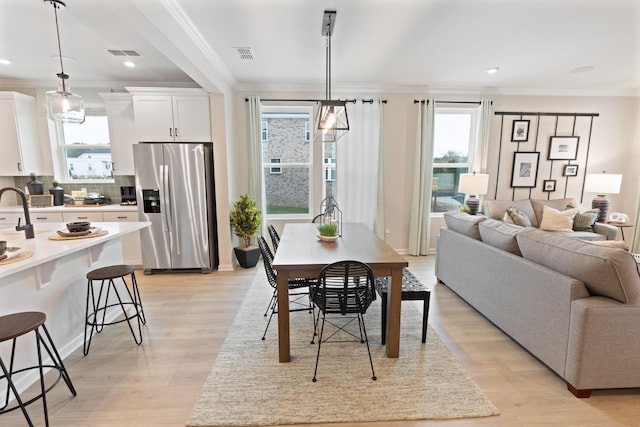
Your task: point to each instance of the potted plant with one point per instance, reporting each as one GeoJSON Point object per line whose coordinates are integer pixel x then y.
{"type": "Point", "coordinates": [327, 232]}
{"type": "Point", "coordinates": [245, 220]}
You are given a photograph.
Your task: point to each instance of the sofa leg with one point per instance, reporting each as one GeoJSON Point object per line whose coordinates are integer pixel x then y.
{"type": "Point", "coordinates": [583, 394]}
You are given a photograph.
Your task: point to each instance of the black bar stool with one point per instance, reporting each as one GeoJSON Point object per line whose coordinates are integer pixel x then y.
{"type": "Point", "coordinates": [97, 307]}
{"type": "Point", "coordinates": [13, 326]}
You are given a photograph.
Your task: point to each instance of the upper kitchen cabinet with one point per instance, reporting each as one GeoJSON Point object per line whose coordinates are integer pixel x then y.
{"type": "Point", "coordinates": [122, 131]}
{"type": "Point", "coordinates": [171, 115]}
{"type": "Point", "coordinates": [18, 135]}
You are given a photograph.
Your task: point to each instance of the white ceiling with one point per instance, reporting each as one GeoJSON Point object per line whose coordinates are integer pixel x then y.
{"type": "Point", "coordinates": [377, 44]}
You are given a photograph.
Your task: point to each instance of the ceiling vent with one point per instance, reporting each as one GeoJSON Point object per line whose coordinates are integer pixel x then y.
{"type": "Point", "coordinates": [118, 52]}
{"type": "Point", "coordinates": [245, 53]}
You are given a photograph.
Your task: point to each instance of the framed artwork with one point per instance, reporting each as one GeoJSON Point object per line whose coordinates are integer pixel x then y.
{"type": "Point", "coordinates": [563, 147]}
{"type": "Point", "coordinates": [525, 169]}
{"type": "Point", "coordinates": [549, 185]}
{"type": "Point", "coordinates": [570, 170]}
{"type": "Point", "coordinates": [520, 131]}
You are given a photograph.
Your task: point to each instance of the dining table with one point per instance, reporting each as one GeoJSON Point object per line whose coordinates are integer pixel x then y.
{"type": "Point", "coordinates": [302, 254]}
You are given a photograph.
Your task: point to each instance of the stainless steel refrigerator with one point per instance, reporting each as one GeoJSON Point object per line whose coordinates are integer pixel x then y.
{"type": "Point", "coordinates": [175, 192]}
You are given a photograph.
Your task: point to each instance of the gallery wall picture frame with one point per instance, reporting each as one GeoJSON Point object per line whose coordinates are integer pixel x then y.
{"type": "Point", "coordinates": [549, 185]}
{"type": "Point", "coordinates": [570, 170]}
{"type": "Point", "coordinates": [563, 147]}
{"type": "Point", "coordinates": [520, 131]}
{"type": "Point", "coordinates": [525, 169]}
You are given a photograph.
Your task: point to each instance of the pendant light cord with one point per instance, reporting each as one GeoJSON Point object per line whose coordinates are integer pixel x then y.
{"type": "Point", "coordinates": [62, 75]}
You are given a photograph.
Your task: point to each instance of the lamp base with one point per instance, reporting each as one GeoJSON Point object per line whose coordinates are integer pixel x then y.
{"type": "Point", "coordinates": [601, 202]}
{"type": "Point", "coordinates": [474, 203]}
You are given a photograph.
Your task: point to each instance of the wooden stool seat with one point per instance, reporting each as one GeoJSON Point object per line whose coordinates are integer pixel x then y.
{"type": "Point", "coordinates": [412, 289]}
{"type": "Point", "coordinates": [98, 302]}
{"type": "Point", "coordinates": [13, 326]}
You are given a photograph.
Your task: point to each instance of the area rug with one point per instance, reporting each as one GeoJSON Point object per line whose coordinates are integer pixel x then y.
{"type": "Point", "coordinates": [247, 385]}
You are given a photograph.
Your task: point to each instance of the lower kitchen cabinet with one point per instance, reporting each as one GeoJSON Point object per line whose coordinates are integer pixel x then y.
{"type": "Point", "coordinates": [82, 216]}
{"type": "Point", "coordinates": [130, 242]}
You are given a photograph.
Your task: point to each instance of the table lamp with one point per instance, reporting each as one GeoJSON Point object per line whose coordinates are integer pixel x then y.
{"type": "Point", "coordinates": [473, 184]}
{"type": "Point", "coordinates": [602, 184]}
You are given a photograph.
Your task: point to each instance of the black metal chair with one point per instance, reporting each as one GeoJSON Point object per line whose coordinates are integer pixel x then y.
{"type": "Point", "coordinates": [275, 237]}
{"type": "Point", "coordinates": [298, 288]}
{"type": "Point", "coordinates": [344, 288]}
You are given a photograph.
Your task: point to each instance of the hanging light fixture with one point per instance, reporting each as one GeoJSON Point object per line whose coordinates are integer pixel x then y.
{"type": "Point", "coordinates": [62, 105]}
{"type": "Point", "coordinates": [332, 121]}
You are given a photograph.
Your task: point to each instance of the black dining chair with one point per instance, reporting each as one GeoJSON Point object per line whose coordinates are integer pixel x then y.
{"type": "Point", "coordinates": [275, 237]}
{"type": "Point", "coordinates": [298, 288]}
{"type": "Point", "coordinates": [345, 289]}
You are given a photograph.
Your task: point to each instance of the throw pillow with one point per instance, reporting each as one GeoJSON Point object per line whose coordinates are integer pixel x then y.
{"type": "Point", "coordinates": [583, 221]}
{"type": "Point", "coordinates": [518, 217]}
{"type": "Point", "coordinates": [555, 220]}
{"type": "Point", "coordinates": [507, 218]}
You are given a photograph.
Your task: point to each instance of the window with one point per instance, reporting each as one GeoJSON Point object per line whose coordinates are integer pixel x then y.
{"type": "Point", "coordinates": [264, 132]}
{"type": "Point", "coordinates": [85, 151]}
{"type": "Point", "coordinates": [455, 134]}
{"type": "Point", "coordinates": [287, 162]}
{"type": "Point", "coordinates": [329, 169]}
{"type": "Point", "coordinates": [307, 131]}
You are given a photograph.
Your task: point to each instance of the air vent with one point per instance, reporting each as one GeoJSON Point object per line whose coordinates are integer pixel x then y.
{"type": "Point", "coordinates": [118, 52]}
{"type": "Point", "coordinates": [245, 53]}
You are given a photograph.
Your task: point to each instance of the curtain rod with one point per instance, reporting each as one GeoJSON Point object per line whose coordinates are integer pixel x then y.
{"type": "Point", "coordinates": [512, 113]}
{"type": "Point", "coordinates": [422, 101]}
{"type": "Point", "coordinates": [352, 101]}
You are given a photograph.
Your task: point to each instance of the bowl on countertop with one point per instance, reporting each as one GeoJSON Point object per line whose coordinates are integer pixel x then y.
{"type": "Point", "coordinates": [75, 227]}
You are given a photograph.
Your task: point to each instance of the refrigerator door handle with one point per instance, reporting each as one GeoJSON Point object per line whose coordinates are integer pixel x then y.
{"type": "Point", "coordinates": [169, 204]}
{"type": "Point", "coordinates": [166, 201]}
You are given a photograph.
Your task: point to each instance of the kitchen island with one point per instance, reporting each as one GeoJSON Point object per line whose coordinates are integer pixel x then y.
{"type": "Point", "coordinates": [53, 280]}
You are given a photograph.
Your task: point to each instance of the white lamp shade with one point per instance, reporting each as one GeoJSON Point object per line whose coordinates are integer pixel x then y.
{"type": "Point", "coordinates": [473, 183]}
{"type": "Point", "coordinates": [603, 183]}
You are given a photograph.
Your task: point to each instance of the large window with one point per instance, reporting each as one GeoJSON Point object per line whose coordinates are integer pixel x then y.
{"type": "Point", "coordinates": [455, 135]}
{"type": "Point", "coordinates": [85, 152]}
{"type": "Point", "coordinates": [287, 159]}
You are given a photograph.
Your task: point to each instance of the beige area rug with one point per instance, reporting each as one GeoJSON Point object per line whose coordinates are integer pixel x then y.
{"type": "Point", "coordinates": [248, 386]}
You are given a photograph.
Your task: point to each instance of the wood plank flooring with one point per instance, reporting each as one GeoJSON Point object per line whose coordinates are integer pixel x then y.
{"type": "Point", "coordinates": [188, 315]}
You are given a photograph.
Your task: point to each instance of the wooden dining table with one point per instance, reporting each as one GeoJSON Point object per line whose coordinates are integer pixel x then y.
{"type": "Point", "coordinates": [301, 254]}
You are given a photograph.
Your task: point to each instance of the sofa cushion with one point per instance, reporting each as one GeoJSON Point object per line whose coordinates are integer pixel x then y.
{"type": "Point", "coordinates": [518, 217]}
{"type": "Point", "coordinates": [607, 272]}
{"type": "Point", "coordinates": [620, 244]}
{"type": "Point", "coordinates": [555, 220]}
{"type": "Point", "coordinates": [500, 234]}
{"type": "Point", "coordinates": [497, 208]}
{"type": "Point", "coordinates": [559, 204]}
{"type": "Point", "coordinates": [583, 221]}
{"type": "Point", "coordinates": [464, 223]}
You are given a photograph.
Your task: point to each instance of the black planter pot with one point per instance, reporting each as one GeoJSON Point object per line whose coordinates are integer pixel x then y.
{"type": "Point", "coordinates": [247, 257]}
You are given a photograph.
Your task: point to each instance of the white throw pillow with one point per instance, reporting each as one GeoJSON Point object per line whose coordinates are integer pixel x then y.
{"type": "Point", "coordinates": [555, 220]}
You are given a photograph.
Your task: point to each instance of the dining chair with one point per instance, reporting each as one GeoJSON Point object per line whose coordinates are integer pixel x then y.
{"type": "Point", "coordinates": [298, 287]}
{"type": "Point", "coordinates": [346, 289]}
{"type": "Point", "coordinates": [275, 237]}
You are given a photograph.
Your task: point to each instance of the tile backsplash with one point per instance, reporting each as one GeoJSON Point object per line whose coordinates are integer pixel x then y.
{"type": "Point", "coordinates": [111, 190]}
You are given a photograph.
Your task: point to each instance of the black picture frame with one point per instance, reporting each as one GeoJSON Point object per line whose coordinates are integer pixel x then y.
{"type": "Point", "coordinates": [570, 170]}
{"type": "Point", "coordinates": [525, 169]}
{"type": "Point", "coordinates": [549, 185]}
{"type": "Point", "coordinates": [563, 147]}
{"type": "Point", "coordinates": [520, 130]}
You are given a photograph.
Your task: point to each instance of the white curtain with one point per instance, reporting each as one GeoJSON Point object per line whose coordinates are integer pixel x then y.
{"type": "Point", "coordinates": [254, 153]}
{"type": "Point", "coordinates": [359, 167]}
{"type": "Point", "coordinates": [419, 223]}
{"type": "Point", "coordinates": [482, 146]}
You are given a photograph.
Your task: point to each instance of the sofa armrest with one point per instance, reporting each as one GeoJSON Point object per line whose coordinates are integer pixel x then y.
{"type": "Point", "coordinates": [608, 230]}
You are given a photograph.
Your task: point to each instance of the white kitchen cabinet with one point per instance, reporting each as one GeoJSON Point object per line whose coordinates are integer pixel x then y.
{"type": "Point", "coordinates": [18, 135]}
{"type": "Point", "coordinates": [90, 216]}
{"type": "Point", "coordinates": [131, 251]}
{"type": "Point", "coordinates": [10, 219]}
{"type": "Point", "coordinates": [172, 117]}
{"type": "Point", "coordinates": [37, 217]}
{"type": "Point", "coordinates": [122, 131]}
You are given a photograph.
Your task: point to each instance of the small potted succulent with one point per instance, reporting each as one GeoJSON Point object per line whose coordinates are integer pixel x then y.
{"type": "Point", "coordinates": [328, 232]}
{"type": "Point", "coordinates": [245, 220]}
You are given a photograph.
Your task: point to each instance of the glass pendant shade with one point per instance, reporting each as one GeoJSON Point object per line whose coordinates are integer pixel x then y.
{"type": "Point", "coordinates": [64, 106]}
{"type": "Point", "coordinates": [332, 121]}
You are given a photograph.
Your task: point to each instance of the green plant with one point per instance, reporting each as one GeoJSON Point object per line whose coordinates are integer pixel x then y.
{"type": "Point", "coordinates": [245, 219]}
{"type": "Point", "coordinates": [328, 229]}
{"type": "Point", "coordinates": [464, 208]}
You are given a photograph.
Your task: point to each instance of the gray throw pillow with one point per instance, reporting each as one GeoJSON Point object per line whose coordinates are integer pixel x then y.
{"type": "Point", "coordinates": [518, 217]}
{"type": "Point", "coordinates": [584, 221]}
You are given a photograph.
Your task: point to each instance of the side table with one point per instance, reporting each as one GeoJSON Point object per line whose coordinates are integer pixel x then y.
{"type": "Point", "coordinates": [621, 226]}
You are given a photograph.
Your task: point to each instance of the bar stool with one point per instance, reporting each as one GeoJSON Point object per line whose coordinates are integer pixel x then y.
{"type": "Point", "coordinates": [13, 326]}
{"type": "Point", "coordinates": [96, 310]}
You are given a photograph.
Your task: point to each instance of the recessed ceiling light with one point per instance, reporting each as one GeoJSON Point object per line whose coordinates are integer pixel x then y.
{"type": "Point", "coordinates": [129, 64]}
{"type": "Point", "coordinates": [583, 69]}
{"type": "Point", "coordinates": [493, 70]}
{"type": "Point", "coordinates": [5, 62]}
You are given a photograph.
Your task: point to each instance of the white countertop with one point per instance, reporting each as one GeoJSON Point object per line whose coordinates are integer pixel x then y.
{"type": "Point", "coordinates": [45, 250]}
{"type": "Point", "coordinates": [97, 208]}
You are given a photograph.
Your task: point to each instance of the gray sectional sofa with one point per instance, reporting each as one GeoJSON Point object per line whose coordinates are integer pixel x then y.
{"type": "Point", "coordinates": [573, 304]}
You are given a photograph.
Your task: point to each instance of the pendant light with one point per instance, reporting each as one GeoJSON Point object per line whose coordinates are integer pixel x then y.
{"type": "Point", "coordinates": [62, 105]}
{"type": "Point", "coordinates": [332, 121]}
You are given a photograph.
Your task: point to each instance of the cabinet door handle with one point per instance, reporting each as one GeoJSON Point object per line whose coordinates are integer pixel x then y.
{"type": "Point", "coordinates": [82, 217]}
{"type": "Point", "coordinates": [175, 132]}
{"type": "Point", "coordinates": [41, 217]}
{"type": "Point", "coordinates": [170, 131]}
{"type": "Point", "coordinates": [19, 166]}
{"type": "Point", "coordinates": [121, 217]}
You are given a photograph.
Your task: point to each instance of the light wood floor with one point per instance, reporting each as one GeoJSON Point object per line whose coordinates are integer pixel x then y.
{"type": "Point", "coordinates": [188, 315]}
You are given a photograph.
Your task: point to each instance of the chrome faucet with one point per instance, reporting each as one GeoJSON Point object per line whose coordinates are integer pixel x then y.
{"type": "Point", "coordinates": [27, 227]}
